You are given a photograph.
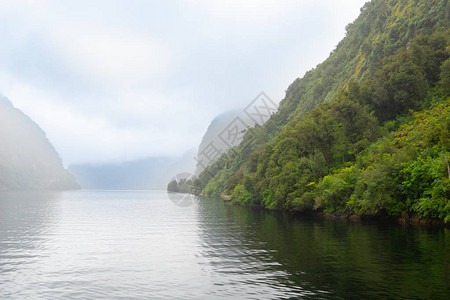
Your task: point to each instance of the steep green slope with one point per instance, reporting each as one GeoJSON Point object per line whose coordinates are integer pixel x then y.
{"type": "Point", "coordinates": [383, 27]}
{"type": "Point", "coordinates": [403, 173]}
{"type": "Point", "coordinates": [395, 58]}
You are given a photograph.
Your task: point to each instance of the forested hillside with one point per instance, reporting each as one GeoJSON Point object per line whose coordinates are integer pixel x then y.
{"type": "Point", "coordinates": [367, 131]}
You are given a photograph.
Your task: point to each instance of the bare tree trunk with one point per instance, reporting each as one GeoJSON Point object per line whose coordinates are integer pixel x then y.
{"type": "Point", "coordinates": [448, 167]}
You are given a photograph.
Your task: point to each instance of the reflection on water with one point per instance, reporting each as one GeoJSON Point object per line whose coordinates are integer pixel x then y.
{"type": "Point", "coordinates": [26, 221]}
{"type": "Point", "coordinates": [138, 245]}
{"type": "Point", "coordinates": [327, 258]}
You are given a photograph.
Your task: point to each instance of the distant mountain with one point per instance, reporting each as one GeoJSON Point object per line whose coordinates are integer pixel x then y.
{"type": "Point", "coordinates": [215, 137]}
{"type": "Point", "coordinates": [156, 172]}
{"type": "Point", "coordinates": [145, 174]}
{"type": "Point", "coordinates": [134, 175]}
{"type": "Point", "coordinates": [27, 159]}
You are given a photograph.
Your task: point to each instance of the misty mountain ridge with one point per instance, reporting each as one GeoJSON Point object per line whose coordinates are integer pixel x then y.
{"type": "Point", "coordinates": [215, 137]}
{"type": "Point", "coordinates": [27, 159]}
{"type": "Point", "coordinates": [151, 173]}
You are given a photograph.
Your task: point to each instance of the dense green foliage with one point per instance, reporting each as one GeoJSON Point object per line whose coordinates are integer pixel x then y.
{"type": "Point", "coordinates": [403, 172]}
{"type": "Point", "coordinates": [181, 185]}
{"type": "Point", "coordinates": [345, 138]}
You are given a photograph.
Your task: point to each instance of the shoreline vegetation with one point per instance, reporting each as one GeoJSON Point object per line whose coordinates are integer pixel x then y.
{"type": "Point", "coordinates": [404, 217]}
{"type": "Point", "coordinates": [365, 133]}
{"type": "Point", "coordinates": [410, 220]}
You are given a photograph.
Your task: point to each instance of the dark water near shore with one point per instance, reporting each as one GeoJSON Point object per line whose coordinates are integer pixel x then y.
{"type": "Point", "coordinates": [139, 245]}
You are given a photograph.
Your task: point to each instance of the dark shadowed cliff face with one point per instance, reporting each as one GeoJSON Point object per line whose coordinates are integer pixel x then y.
{"type": "Point", "coordinates": [27, 159]}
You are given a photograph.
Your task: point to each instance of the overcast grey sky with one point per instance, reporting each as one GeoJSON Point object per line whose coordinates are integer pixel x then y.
{"type": "Point", "coordinates": [121, 80]}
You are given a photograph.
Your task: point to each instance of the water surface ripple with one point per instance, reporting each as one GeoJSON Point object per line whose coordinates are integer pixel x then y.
{"type": "Point", "coordinates": [139, 245]}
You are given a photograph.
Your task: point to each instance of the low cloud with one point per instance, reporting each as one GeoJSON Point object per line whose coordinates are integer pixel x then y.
{"type": "Point", "coordinates": [120, 80]}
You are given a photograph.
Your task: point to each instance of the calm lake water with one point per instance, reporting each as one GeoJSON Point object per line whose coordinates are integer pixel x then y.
{"type": "Point", "coordinates": [140, 245]}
